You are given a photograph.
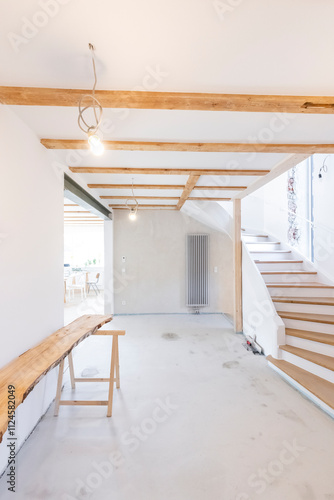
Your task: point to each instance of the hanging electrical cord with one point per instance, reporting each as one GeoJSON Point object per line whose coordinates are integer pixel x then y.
{"type": "Point", "coordinates": [91, 101]}
{"type": "Point", "coordinates": [133, 209]}
{"type": "Point", "coordinates": [323, 168]}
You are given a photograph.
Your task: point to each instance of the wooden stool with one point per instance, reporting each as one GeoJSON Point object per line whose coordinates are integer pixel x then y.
{"type": "Point", "coordinates": [114, 377]}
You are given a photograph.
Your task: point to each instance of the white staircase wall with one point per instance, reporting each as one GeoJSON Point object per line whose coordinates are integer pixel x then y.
{"type": "Point", "coordinates": [261, 321]}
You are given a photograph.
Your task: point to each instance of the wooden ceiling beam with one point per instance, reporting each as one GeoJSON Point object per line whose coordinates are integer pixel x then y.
{"type": "Point", "coordinates": [197, 147]}
{"type": "Point", "coordinates": [158, 207]}
{"type": "Point", "coordinates": [199, 198]}
{"type": "Point", "coordinates": [93, 217]}
{"type": "Point", "coordinates": [34, 96]}
{"type": "Point", "coordinates": [137, 186]}
{"type": "Point", "coordinates": [162, 186]}
{"type": "Point", "coordinates": [220, 188]}
{"type": "Point", "coordinates": [166, 171]}
{"type": "Point", "coordinates": [144, 205]}
{"type": "Point", "coordinates": [191, 182]}
{"type": "Point", "coordinates": [140, 197]}
{"type": "Point", "coordinates": [162, 198]}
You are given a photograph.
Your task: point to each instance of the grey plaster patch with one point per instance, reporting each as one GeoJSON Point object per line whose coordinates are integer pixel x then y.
{"type": "Point", "coordinates": [170, 336]}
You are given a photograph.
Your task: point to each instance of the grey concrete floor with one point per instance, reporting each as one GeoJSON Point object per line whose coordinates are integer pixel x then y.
{"type": "Point", "coordinates": [197, 418]}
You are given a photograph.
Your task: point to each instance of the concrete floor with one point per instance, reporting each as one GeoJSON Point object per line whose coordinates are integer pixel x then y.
{"type": "Point", "coordinates": [197, 417]}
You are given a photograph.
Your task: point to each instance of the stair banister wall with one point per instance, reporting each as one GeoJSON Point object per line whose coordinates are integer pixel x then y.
{"type": "Point", "coordinates": [260, 319]}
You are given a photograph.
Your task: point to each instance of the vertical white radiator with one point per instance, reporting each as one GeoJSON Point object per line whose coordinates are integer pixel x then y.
{"type": "Point", "coordinates": [197, 280]}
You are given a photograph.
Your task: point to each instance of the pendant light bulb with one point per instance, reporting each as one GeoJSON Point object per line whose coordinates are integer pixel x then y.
{"type": "Point", "coordinates": [95, 144]}
{"type": "Point", "coordinates": [133, 214]}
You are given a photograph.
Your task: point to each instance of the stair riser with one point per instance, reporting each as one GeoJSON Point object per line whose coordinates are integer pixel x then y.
{"type": "Point", "coordinates": [270, 256]}
{"type": "Point", "coordinates": [260, 246]}
{"type": "Point", "coordinates": [278, 267]}
{"type": "Point", "coordinates": [301, 292]}
{"type": "Point", "coordinates": [309, 345]}
{"type": "Point", "coordinates": [304, 308]}
{"type": "Point", "coordinates": [320, 371]}
{"type": "Point", "coordinates": [289, 278]}
{"type": "Point", "coordinates": [308, 326]}
{"type": "Point", "coordinates": [252, 239]}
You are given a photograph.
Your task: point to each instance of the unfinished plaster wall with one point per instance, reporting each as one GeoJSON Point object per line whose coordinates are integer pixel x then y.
{"type": "Point", "coordinates": [152, 278]}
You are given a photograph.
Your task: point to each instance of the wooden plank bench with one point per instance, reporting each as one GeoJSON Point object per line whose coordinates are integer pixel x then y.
{"type": "Point", "coordinates": [28, 369]}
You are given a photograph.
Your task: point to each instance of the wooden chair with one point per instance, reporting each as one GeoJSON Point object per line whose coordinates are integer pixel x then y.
{"type": "Point", "coordinates": [114, 377]}
{"type": "Point", "coordinates": [77, 282]}
{"type": "Point", "coordinates": [93, 284]}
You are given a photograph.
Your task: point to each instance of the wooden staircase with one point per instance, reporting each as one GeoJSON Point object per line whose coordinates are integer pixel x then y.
{"type": "Point", "coordinates": [306, 306]}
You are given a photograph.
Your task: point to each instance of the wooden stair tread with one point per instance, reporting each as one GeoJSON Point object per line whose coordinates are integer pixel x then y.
{"type": "Point", "coordinates": [263, 242]}
{"type": "Point", "coordinates": [299, 285]}
{"type": "Point", "coordinates": [315, 318]}
{"type": "Point", "coordinates": [287, 271]}
{"type": "Point", "coordinates": [314, 357]}
{"type": "Point", "coordinates": [255, 235]}
{"type": "Point", "coordinates": [284, 261]}
{"type": "Point", "coordinates": [319, 387]}
{"type": "Point", "coordinates": [322, 301]}
{"type": "Point", "coordinates": [30, 367]}
{"type": "Point", "coordinates": [323, 338]}
{"type": "Point", "coordinates": [270, 251]}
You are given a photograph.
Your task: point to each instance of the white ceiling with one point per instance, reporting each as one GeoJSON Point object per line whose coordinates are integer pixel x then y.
{"type": "Point", "coordinates": [281, 46]}
{"type": "Point", "coordinates": [258, 47]}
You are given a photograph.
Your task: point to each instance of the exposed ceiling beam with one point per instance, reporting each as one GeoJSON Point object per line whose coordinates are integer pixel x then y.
{"type": "Point", "coordinates": [191, 182]}
{"type": "Point", "coordinates": [199, 198]}
{"type": "Point", "coordinates": [162, 198]}
{"type": "Point", "coordinates": [140, 197]}
{"type": "Point", "coordinates": [198, 147]}
{"type": "Point", "coordinates": [153, 207]}
{"type": "Point", "coordinates": [278, 170]}
{"type": "Point", "coordinates": [145, 206]}
{"type": "Point", "coordinates": [165, 171]}
{"type": "Point", "coordinates": [223, 188]}
{"type": "Point", "coordinates": [74, 192]}
{"type": "Point", "coordinates": [163, 186]}
{"type": "Point", "coordinates": [32, 96]}
{"type": "Point", "coordinates": [137, 186]}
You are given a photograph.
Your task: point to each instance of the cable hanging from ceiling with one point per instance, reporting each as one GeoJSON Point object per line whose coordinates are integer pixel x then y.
{"type": "Point", "coordinates": [134, 208]}
{"type": "Point", "coordinates": [90, 102]}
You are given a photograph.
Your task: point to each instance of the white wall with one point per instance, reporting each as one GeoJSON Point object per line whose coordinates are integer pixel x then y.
{"type": "Point", "coordinates": [109, 267]}
{"type": "Point", "coordinates": [323, 215]}
{"type": "Point", "coordinates": [31, 257]}
{"type": "Point", "coordinates": [155, 250]}
{"type": "Point", "coordinates": [252, 211]}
